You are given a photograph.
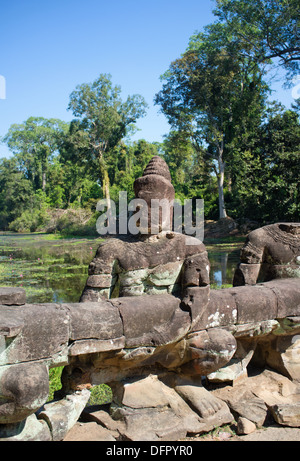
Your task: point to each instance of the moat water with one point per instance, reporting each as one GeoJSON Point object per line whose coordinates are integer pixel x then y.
{"type": "Point", "coordinates": [55, 270]}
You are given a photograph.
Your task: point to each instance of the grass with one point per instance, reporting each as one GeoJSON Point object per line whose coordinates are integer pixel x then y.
{"type": "Point", "coordinates": [100, 394]}
{"type": "Point", "coordinates": [215, 286]}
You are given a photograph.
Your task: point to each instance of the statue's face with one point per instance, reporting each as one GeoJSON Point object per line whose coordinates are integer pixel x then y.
{"type": "Point", "coordinates": [158, 193]}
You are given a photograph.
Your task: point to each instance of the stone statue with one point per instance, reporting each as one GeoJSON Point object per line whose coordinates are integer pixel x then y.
{"type": "Point", "coordinates": [154, 264]}
{"type": "Point", "coordinates": [149, 263]}
{"type": "Point", "coordinates": [150, 327]}
{"type": "Point", "coordinates": [271, 252]}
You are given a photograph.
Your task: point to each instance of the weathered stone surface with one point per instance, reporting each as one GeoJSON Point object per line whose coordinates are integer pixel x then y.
{"type": "Point", "coordinates": [243, 403]}
{"type": "Point", "coordinates": [237, 366]}
{"type": "Point", "coordinates": [196, 300]}
{"type": "Point", "coordinates": [273, 388]}
{"type": "Point", "coordinates": [220, 311]}
{"type": "Point", "coordinates": [251, 408]}
{"type": "Point", "coordinates": [89, 432]}
{"type": "Point", "coordinates": [152, 320]}
{"type": "Point", "coordinates": [246, 274]}
{"type": "Point", "coordinates": [141, 393]}
{"type": "Point", "coordinates": [151, 424]}
{"type": "Point", "coordinates": [44, 333]}
{"type": "Point", "coordinates": [287, 414]}
{"type": "Point", "coordinates": [90, 346]}
{"type": "Point", "coordinates": [150, 392]}
{"type": "Point", "coordinates": [262, 395]}
{"type": "Point", "coordinates": [254, 304]}
{"type": "Point", "coordinates": [288, 296]}
{"type": "Point", "coordinates": [212, 411]}
{"type": "Point", "coordinates": [96, 414]}
{"type": "Point", "coordinates": [255, 330]}
{"type": "Point", "coordinates": [283, 354]}
{"type": "Point", "coordinates": [24, 388]}
{"type": "Point", "coordinates": [165, 275]}
{"type": "Point", "coordinates": [244, 426]}
{"type": "Point", "coordinates": [207, 351]}
{"type": "Point", "coordinates": [101, 321]}
{"type": "Point", "coordinates": [12, 296]}
{"type": "Point", "coordinates": [10, 323]}
{"type": "Point", "coordinates": [144, 407]}
{"type": "Point", "coordinates": [156, 184]}
{"type": "Point", "coordinates": [99, 281]}
{"type": "Point", "coordinates": [62, 415]}
{"type": "Point", "coordinates": [275, 248]}
{"type": "Point", "coordinates": [196, 270]}
{"type": "Point", "coordinates": [28, 430]}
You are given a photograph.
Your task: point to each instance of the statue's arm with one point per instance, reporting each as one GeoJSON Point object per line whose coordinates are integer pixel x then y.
{"type": "Point", "coordinates": [196, 271]}
{"type": "Point", "coordinates": [102, 277]}
{"type": "Point", "coordinates": [251, 259]}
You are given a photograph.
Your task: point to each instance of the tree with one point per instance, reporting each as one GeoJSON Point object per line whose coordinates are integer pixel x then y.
{"type": "Point", "coordinates": [103, 120]}
{"type": "Point", "coordinates": [34, 144]}
{"type": "Point", "coordinates": [272, 27]}
{"type": "Point", "coordinates": [279, 143]}
{"type": "Point", "coordinates": [215, 95]}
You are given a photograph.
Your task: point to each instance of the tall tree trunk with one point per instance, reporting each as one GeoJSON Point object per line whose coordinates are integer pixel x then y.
{"type": "Point", "coordinates": [105, 180]}
{"type": "Point", "coordinates": [44, 181]}
{"type": "Point", "coordinates": [220, 176]}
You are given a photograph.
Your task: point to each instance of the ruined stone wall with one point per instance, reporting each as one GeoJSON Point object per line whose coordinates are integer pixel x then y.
{"type": "Point", "coordinates": [124, 338]}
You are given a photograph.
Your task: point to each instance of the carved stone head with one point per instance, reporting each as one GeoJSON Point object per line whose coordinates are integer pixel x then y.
{"type": "Point", "coordinates": [156, 189]}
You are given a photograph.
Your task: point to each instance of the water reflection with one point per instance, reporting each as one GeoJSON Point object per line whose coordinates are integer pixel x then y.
{"type": "Point", "coordinates": [222, 266]}
{"type": "Point", "coordinates": [49, 270]}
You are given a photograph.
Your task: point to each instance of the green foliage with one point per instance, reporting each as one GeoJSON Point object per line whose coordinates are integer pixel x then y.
{"type": "Point", "coordinates": [214, 97]}
{"type": "Point", "coordinates": [54, 381]}
{"type": "Point", "coordinates": [265, 29]}
{"type": "Point", "coordinates": [225, 145]}
{"type": "Point", "coordinates": [99, 394]}
{"type": "Point", "coordinates": [103, 120]}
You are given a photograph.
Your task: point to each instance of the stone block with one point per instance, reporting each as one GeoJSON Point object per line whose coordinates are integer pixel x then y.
{"type": "Point", "coordinates": [166, 274]}
{"type": "Point", "coordinates": [61, 415]}
{"type": "Point", "coordinates": [24, 388]}
{"type": "Point", "coordinates": [246, 274]}
{"type": "Point", "coordinates": [152, 320]}
{"type": "Point", "coordinates": [151, 393]}
{"type": "Point", "coordinates": [244, 426]}
{"type": "Point", "coordinates": [152, 424]}
{"type": "Point", "coordinates": [89, 432]}
{"type": "Point", "coordinates": [97, 414]}
{"type": "Point", "coordinates": [254, 304]}
{"type": "Point", "coordinates": [287, 292]}
{"type": "Point", "coordinates": [99, 320]}
{"type": "Point", "coordinates": [90, 346]}
{"type": "Point", "coordinates": [12, 296]}
{"type": "Point", "coordinates": [283, 354]}
{"type": "Point", "coordinates": [42, 333]}
{"type": "Point", "coordinates": [287, 414]}
{"type": "Point", "coordinates": [221, 310]}
{"type": "Point", "coordinates": [99, 281]}
{"type": "Point", "coordinates": [28, 430]}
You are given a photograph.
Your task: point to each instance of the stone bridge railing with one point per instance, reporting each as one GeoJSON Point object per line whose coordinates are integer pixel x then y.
{"type": "Point", "coordinates": [208, 333]}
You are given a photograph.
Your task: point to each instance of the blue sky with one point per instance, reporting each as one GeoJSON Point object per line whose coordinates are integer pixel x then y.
{"type": "Point", "coordinates": [47, 48]}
